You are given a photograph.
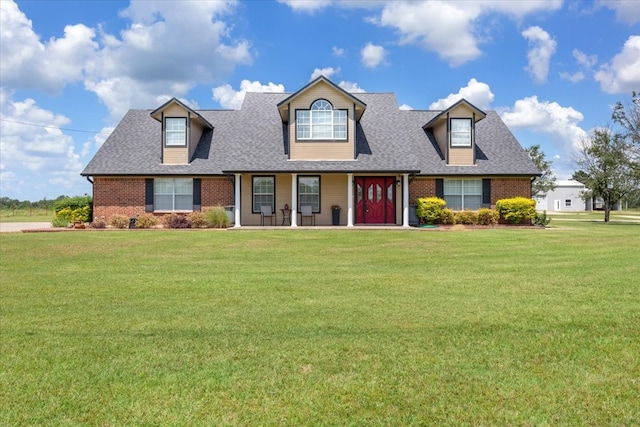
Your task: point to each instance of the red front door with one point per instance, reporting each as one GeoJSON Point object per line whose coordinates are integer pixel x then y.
{"type": "Point", "coordinates": [375, 200]}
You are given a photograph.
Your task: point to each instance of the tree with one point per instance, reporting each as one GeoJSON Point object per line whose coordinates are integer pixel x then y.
{"type": "Point", "coordinates": [629, 118]}
{"type": "Point", "coordinates": [580, 176]}
{"type": "Point", "coordinates": [606, 167]}
{"type": "Point", "coordinates": [547, 182]}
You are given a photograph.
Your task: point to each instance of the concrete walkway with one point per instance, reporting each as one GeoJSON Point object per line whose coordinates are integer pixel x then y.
{"type": "Point", "coordinates": [15, 227]}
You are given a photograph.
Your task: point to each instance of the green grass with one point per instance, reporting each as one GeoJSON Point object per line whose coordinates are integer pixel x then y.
{"type": "Point", "coordinates": [322, 327]}
{"type": "Point", "coordinates": [26, 215]}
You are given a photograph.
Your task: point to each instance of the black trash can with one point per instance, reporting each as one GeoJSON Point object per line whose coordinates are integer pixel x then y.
{"type": "Point", "coordinates": [132, 222]}
{"type": "Point", "coordinates": [335, 216]}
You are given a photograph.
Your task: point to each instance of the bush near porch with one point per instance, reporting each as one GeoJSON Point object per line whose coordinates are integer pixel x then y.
{"type": "Point", "coordinates": [433, 210]}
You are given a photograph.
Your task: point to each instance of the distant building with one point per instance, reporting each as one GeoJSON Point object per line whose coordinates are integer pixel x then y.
{"type": "Point", "coordinates": [566, 197]}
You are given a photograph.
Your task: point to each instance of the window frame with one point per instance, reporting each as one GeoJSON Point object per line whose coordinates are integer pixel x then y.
{"type": "Point", "coordinates": [468, 141]}
{"type": "Point", "coordinates": [173, 194]}
{"type": "Point", "coordinates": [255, 207]}
{"type": "Point", "coordinates": [316, 209]}
{"type": "Point", "coordinates": [338, 122]}
{"type": "Point", "coordinates": [463, 195]}
{"type": "Point", "coordinates": [167, 132]}
{"type": "Point", "coordinates": [567, 203]}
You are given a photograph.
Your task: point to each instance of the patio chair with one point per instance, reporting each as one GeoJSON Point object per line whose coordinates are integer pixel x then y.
{"type": "Point", "coordinates": [307, 211]}
{"type": "Point", "coordinates": [266, 212]}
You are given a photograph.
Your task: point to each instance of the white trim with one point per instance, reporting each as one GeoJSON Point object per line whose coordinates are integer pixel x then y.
{"type": "Point", "coordinates": [236, 207]}
{"type": "Point", "coordinates": [349, 200]}
{"type": "Point", "coordinates": [294, 200]}
{"type": "Point", "coordinates": [405, 199]}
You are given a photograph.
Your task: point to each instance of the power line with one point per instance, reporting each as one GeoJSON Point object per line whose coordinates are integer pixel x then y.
{"type": "Point", "coordinates": [49, 127]}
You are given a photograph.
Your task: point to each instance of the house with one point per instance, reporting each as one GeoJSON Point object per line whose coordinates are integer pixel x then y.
{"type": "Point", "coordinates": [566, 197]}
{"type": "Point", "coordinates": [320, 146]}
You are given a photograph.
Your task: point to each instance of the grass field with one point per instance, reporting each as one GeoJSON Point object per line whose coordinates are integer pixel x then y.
{"type": "Point", "coordinates": [322, 327]}
{"type": "Point", "coordinates": [26, 215]}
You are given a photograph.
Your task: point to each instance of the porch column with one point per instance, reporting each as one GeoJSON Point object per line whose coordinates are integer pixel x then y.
{"type": "Point", "coordinates": [236, 202]}
{"type": "Point", "coordinates": [405, 199]}
{"type": "Point", "coordinates": [349, 200]}
{"type": "Point", "coordinates": [294, 199]}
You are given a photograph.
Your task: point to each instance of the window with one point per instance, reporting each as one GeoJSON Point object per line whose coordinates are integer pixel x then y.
{"type": "Point", "coordinates": [263, 192]}
{"type": "Point", "coordinates": [321, 122]}
{"type": "Point", "coordinates": [175, 131]}
{"type": "Point", "coordinates": [461, 132]}
{"type": "Point", "coordinates": [173, 194]}
{"type": "Point", "coordinates": [567, 203]}
{"type": "Point", "coordinates": [463, 194]}
{"type": "Point", "coordinates": [309, 192]}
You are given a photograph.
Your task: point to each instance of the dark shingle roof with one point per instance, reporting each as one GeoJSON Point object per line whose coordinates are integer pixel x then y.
{"type": "Point", "coordinates": [254, 139]}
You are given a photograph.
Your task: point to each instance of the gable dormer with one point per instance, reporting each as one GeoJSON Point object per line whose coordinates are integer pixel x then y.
{"type": "Point", "coordinates": [322, 120]}
{"type": "Point", "coordinates": [182, 128]}
{"type": "Point", "coordinates": [454, 130]}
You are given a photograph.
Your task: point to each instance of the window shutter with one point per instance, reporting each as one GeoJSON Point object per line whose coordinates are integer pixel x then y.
{"type": "Point", "coordinates": [486, 192]}
{"type": "Point", "coordinates": [148, 195]}
{"type": "Point", "coordinates": [197, 194]}
{"type": "Point", "coordinates": [440, 188]}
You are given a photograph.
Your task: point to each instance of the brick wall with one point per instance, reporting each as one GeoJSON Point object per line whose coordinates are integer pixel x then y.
{"type": "Point", "coordinates": [126, 195]}
{"type": "Point", "coordinates": [122, 196]}
{"type": "Point", "coordinates": [421, 187]}
{"type": "Point", "coordinates": [502, 188]}
{"type": "Point", "coordinates": [217, 191]}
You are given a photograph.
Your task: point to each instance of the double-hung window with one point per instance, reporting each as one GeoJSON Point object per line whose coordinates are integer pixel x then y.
{"type": "Point", "coordinates": [309, 192]}
{"type": "Point", "coordinates": [321, 122]}
{"type": "Point", "coordinates": [175, 131]}
{"type": "Point", "coordinates": [463, 194]}
{"type": "Point", "coordinates": [173, 194]}
{"type": "Point", "coordinates": [263, 192]}
{"type": "Point", "coordinates": [461, 132]}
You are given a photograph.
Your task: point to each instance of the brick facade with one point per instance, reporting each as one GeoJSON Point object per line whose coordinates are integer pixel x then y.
{"type": "Point", "coordinates": [501, 188]}
{"type": "Point", "coordinates": [126, 195]}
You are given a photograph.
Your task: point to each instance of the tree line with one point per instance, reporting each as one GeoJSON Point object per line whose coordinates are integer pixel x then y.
{"type": "Point", "coordinates": [8, 203]}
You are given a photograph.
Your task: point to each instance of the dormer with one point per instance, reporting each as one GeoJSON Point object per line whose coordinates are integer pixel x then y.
{"type": "Point", "coordinates": [322, 120]}
{"type": "Point", "coordinates": [182, 128]}
{"type": "Point", "coordinates": [454, 131]}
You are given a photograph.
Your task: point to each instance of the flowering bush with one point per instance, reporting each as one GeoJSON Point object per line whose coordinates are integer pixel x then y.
{"type": "Point", "coordinates": [516, 209]}
{"type": "Point", "coordinates": [428, 209]}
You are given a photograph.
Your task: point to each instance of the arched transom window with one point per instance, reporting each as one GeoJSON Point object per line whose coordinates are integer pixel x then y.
{"type": "Point", "coordinates": [321, 121]}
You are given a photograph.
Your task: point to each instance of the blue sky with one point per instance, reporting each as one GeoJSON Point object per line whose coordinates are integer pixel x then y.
{"type": "Point", "coordinates": [69, 70]}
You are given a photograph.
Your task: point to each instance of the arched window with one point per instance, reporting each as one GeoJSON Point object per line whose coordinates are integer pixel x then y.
{"type": "Point", "coordinates": [321, 121]}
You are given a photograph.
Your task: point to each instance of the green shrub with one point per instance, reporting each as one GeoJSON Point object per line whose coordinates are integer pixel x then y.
{"type": "Point", "coordinates": [488, 216]}
{"type": "Point", "coordinates": [146, 221]}
{"type": "Point", "coordinates": [77, 208]}
{"type": "Point", "coordinates": [516, 209]}
{"type": "Point", "coordinates": [217, 217]}
{"type": "Point", "coordinates": [119, 221]}
{"type": "Point", "coordinates": [465, 217]}
{"type": "Point", "coordinates": [98, 223]}
{"type": "Point", "coordinates": [198, 219]}
{"type": "Point", "coordinates": [447, 217]}
{"type": "Point", "coordinates": [176, 220]}
{"type": "Point", "coordinates": [428, 209]}
{"type": "Point", "coordinates": [541, 219]}
{"type": "Point", "coordinates": [59, 221]}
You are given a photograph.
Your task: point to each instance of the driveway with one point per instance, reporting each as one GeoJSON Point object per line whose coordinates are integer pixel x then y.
{"type": "Point", "coordinates": [8, 227]}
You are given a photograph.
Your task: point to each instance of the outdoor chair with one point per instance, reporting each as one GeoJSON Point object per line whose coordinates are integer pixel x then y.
{"type": "Point", "coordinates": [307, 211]}
{"type": "Point", "coordinates": [266, 212]}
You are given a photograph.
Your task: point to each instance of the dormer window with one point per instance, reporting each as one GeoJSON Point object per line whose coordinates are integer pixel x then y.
{"type": "Point", "coordinates": [461, 132]}
{"type": "Point", "coordinates": [175, 131]}
{"type": "Point", "coordinates": [321, 122]}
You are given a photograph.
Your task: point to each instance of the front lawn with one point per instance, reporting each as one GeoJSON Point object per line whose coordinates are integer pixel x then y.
{"type": "Point", "coordinates": [322, 327]}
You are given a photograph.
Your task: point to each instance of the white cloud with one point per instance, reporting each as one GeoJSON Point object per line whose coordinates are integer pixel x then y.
{"type": "Point", "coordinates": [26, 62]}
{"type": "Point", "coordinates": [622, 74]}
{"type": "Point", "coordinates": [477, 93]}
{"type": "Point", "coordinates": [372, 55]}
{"type": "Point", "coordinates": [405, 107]}
{"type": "Point", "coordinates": [541, 48]}
{"type": "Point", "coordinates": [337, 51]}
{"type": "Point", "coordinates": [451, 31]}
{"type": "Point", "coordinates": [586, 61]}
{"type": "Point", "coordinates": [327, 72]}
{"type": "Point", "coordinates": [573, 78]}
{"type": "Point", "coordinates": [229, 98]}
{"type": "Point", "coordinates": [34, 146]}
{"type": "Point", "coordinates": [351, 87]}
{"type": "Point", "coordinates": [627, 11]}
{"type": "Point", "coordinates": [146, 62]}
{"type": "Point", "coordinates": [550, 118]}
{"type": "Point", "coordinates": [309, 6]}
